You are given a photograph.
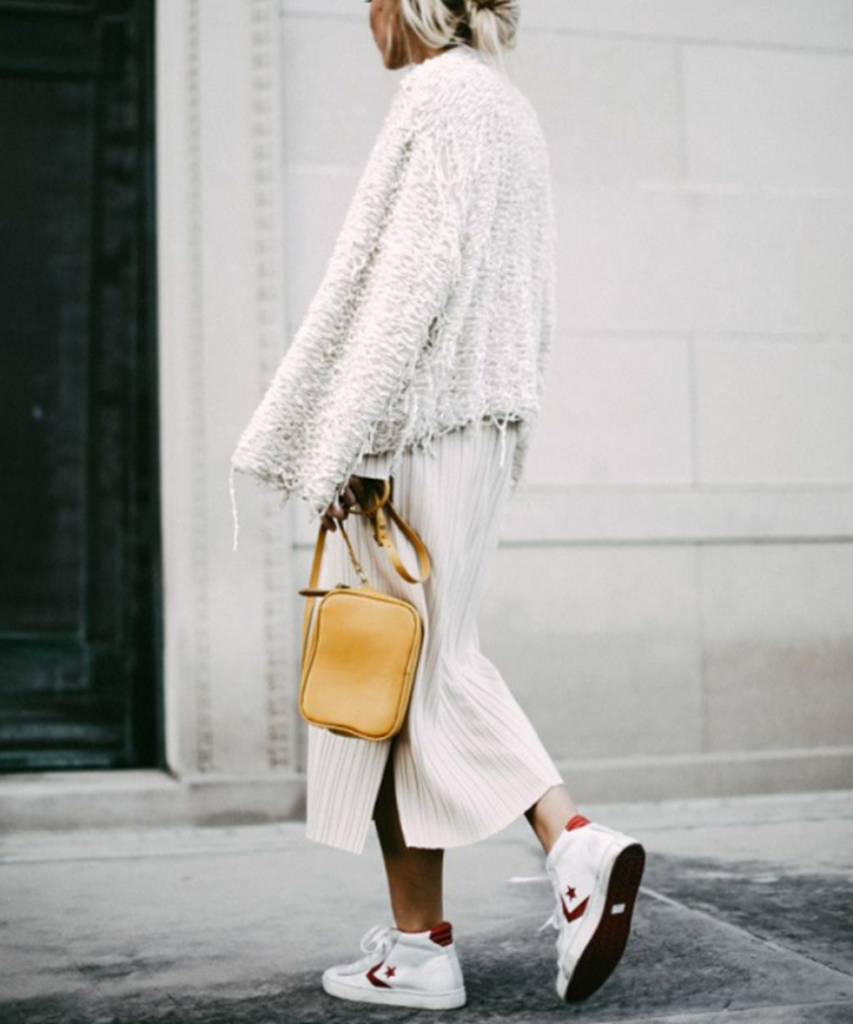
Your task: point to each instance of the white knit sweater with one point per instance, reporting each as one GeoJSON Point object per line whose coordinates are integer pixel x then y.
{"type": "Point", "coordinates": [437, 305]}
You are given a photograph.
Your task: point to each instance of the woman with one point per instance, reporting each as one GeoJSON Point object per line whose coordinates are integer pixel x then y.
{"type": "Point", "coordinates": [421, 360]}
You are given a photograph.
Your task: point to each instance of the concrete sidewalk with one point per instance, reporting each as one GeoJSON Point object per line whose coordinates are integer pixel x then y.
{"type": "Point", "coordinates": [745, 914]}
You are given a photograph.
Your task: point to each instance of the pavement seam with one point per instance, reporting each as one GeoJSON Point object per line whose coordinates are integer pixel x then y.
{"type": "Point", "coordinates": [716, 1015]}
{"type": "Point", "coordinates": [744, 932]}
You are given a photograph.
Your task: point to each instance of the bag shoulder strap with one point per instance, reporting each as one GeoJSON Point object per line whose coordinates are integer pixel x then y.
{"type": "Point", "coordinates": [382, 535]}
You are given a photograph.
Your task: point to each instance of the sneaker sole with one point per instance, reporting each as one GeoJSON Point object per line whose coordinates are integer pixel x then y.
{"type": "Point", "coordinates": [603, 951]}
{"type": "Point", "coordinates": [423, 1001]}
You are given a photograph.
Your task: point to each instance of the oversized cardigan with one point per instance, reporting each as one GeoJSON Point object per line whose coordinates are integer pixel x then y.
{"type": "Point", "coordinates": [437, 305]}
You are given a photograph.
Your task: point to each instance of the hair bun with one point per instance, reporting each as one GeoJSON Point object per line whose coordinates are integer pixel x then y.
{"type": "Point", "coordinates": [498, 31]}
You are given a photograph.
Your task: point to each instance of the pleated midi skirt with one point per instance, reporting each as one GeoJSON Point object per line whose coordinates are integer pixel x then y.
{"type": "Point", "coordinates": [468, 761]}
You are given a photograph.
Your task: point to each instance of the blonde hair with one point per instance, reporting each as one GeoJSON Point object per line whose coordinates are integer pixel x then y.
{"type": "Point", "coordinates": [490, 26]}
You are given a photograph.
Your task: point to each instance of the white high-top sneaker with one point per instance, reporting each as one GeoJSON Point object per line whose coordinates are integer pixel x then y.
{"type": "Point", "coordinates": [596, 874]}
{"type": "Point", "coordinates": [418, 969]}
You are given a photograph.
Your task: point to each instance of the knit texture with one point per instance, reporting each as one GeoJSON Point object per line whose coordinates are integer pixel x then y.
{"type": "Point", "coordinates": [437, 305]}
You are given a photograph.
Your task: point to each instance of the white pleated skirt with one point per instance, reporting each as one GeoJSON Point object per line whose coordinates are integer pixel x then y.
{"type": "Point", "coordinates": [468, 761]}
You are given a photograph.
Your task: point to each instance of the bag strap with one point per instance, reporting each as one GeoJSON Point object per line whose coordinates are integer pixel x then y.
{"type": "Point", "coordinates": [382, 535]}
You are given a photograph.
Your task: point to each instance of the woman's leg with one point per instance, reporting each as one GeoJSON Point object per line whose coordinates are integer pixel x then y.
{"type": "Point", "coordinates": [549, 815]}
{"type": "Point", "coordinates": [414, 874]}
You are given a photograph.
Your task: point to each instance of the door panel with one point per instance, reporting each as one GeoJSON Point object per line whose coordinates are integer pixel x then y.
{"type": "Point", "coordinates": [79, 535]}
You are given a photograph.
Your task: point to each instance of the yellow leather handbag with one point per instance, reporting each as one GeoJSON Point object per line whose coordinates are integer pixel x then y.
{"type": "Point", "coordinates": [361, 653]}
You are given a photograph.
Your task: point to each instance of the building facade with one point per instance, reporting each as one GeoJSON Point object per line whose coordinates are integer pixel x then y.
{"type": "Point", "coordinates": [680, 620]}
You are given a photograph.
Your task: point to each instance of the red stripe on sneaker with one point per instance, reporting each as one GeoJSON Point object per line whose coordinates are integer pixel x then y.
{"type": "Point", "coordinates": [576, 821]}
{"type": "Point", "coordinates": [371, 977]}
{"type": "Point", "coordinates": [572, 915]}
{"type": "Point", "coordinates": [442, 934]}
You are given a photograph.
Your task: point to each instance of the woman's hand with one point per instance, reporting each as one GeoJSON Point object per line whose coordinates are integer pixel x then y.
{"type": "Point", "coordinates": [356, 492]}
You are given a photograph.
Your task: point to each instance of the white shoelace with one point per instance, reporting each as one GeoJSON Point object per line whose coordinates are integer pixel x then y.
{"type": "Point", "coordinates": [553, 920]}
{"type": "Point", "coordinates": [556, 914]}
{"type": "Point", "coordinates": [376, 941]}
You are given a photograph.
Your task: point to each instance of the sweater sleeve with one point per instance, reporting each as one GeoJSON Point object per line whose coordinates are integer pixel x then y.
{"type": "Point", "coordinates": [402, 288]}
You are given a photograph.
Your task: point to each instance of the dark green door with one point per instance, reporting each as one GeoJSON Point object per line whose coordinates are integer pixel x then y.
{"type": "Point", "coordinates": [79, 535]}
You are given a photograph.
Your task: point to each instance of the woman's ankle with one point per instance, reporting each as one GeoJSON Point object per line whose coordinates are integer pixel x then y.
{"type": "Point", "coordinates": [551, 814]}
{"type": "Point", "coordinates": [421, 922]}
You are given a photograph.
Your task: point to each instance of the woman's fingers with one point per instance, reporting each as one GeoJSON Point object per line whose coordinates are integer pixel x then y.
{"type": "Point", "coordinates": [357, 491]}
{"type": "Point", "coordinates": [333, 512]}
{"type": "Point", "coordinates": [366, 489]}
{"type": "Point", "coordinates": [349, 497]}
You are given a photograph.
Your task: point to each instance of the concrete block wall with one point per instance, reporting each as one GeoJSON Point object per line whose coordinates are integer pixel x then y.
{"type": "Point", "coordinates": [672, 600]}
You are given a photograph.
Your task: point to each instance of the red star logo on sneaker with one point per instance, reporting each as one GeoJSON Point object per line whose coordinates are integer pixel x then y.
{"type": "Point", "coordinates": [571, 892]}
{"type": "Point", "coordinates": [573, 915]}
{"type": "Point", "coordinates": [390, 972]}
{"type": "Point", "coordinates": [378, 982]}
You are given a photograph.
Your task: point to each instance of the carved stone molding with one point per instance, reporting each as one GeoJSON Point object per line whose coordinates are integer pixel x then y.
{"type": "Point", "coordinates": [198, 526]}
{"type": "Point", "coordinates": [267, 177]}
